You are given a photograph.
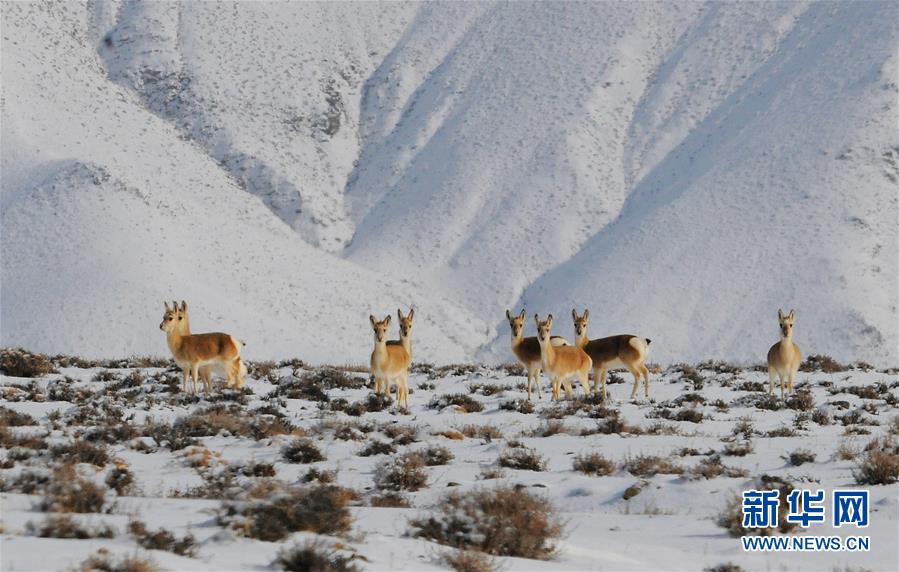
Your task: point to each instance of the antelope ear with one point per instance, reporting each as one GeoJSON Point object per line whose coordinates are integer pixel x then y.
{"type": "Point", "coordinates": [183, 306]}
{"type": "Point", "coordinates": [372, 319]}
{"type": "Point", "coordinates": [537, 319]}
{"type": "Point", "coordinates": [586, 314]}
{"type": "Point", "coordinates": [166, 304]}
{"type": "Point", "coordinates": [574, 314]}
{"type": "Point", "coordinates": [549, 320]}
{"type": "Point", "coordinates": [411, 313]}
{"type": "Point", "coordinates": [387, 319]}
{"type": "Point", "coordinates": [780, 314]}
{"type": "Point", "coordinates": [523, 314]}
{"type": "Point", "coordinates": [399, 315]}
{"type": "Point", "coordinates": [508, 314]}
{"type": "Point", "coordinates": [792, 314]}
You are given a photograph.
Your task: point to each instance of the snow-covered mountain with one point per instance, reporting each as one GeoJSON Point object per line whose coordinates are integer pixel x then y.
{"type": "Point", "coordinates": [682, 169]}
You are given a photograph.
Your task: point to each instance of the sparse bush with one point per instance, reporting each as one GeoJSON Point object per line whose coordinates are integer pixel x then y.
{"type": "Point", "coordinates": [10, 418]}
{"type": "Point", "coordinates": [64, 526]}
{"type": "Point", "coordinates": [262, 370]}
{"type": "Point", "coordinates": [823, 363]}
{"type": "Point", "coordinates": [377, 448]}
{"type": "Point", "coordinates": [486, 432]}
{"type": "Point", "coordinates": [436, 455]}
{"type": "Point", "coordinates": [503, 521]}
{"type": "Point", "coordinates": [313, 475]}
{"type": "Point", "coordinates": [689, 414]}
{"type": "Point", "coordinates": [101, 561]}
{"type": "Point", "coordinates": [720, 367]}
{"type": "Point", "coordinates": [847, 451]}
{"type": "Point", "coordinates": [523, 459]}
{"type": "Point", "coordinates": [401, 434]}
{"type": "Point", "coordinates": [120, 479]}
{"type": "Point", "coordinates": [468, 561]}
{"type": "Point", "coordinates": [880, 464]}
{"type": "Point", "coordinates": [753, 386]}
{"type": "Point", "coordinates": [801, 400]}
{"type": "Point", "coordinates": [162, 539]}
{"type": "Point", "coordinates": [732, 516]}
{"type": "Point", "coordinates": [801, 456]}
{"type": "Point", "coordinates": [389, 500]}
{"type": "Point", "coordinates": [593, 464]}
{"type": "Point", "coordinates": [80, 452]}
{"type": "Point", "coordinates": [255, 469]}
{"type": "Point", "coordinates": [725, 567]}
{"type": "Point", "coordinates": [312, 556]}
{"type": "Point", "coordinates": [302, 451]}
{"type": "Point", "coordinates": [462, 401]}
{"type": "Point", "coordinates": [821, 417]}
{"type": "Point", "coordinates": [649, 465]}
{"type": "Point", "coordinates": [319, 508]}
{"type": "Point", "coordinates": [403, 473]}
{"type": "Point", "coordinates": [17, 362]}
{"type": "Point", "coordinates": [738, 448]}
{"type": "Point", "coordinates": [550, 428]}
{"type": "Point", "coordinates": [519, 405]}
{"type": "Point", "coordinates": [692, 375]}
{"type": "Point", "coordinates": [781, 432]}
{"type": "Point", "coordinates": [711, 467]}
{"type": "Point", "coordinates": [66, 492]}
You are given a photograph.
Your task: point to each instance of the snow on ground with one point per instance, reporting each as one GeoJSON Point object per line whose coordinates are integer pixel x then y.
{"type": "Point", "coordinates": [670, 524]}
{"type": "Point", "coordinates": [682, 168]}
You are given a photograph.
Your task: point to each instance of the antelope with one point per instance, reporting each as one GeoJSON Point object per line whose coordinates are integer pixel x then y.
{"type": "Point", "coordinates": [527, 350]}
{"type": "Point", "coordinates": [623, 350]}
{"type": "Point", "coordinates": [207, 371]}
{"type": "Point", "coordinates": [389, 362]}
{"type": "Point", "coordinates": [784, 356]}
{"type": "Point", "coordinates": [192, 351]}
{"type": "Point", "coordinates": [405, 339]}
{"type": "Point", "coordinates": [562, 363]}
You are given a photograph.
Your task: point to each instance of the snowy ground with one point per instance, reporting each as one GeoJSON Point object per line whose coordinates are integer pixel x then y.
{"type": "Point", "coordinates": [670, 524]}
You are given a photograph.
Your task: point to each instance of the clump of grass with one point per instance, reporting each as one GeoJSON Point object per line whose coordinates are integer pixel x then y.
{"type": "Point", "coordinates": [64, 526]}
{"type": "Point", "coordinates": [649, 465]}
{"type": "Point", "coordinates": [503, 521]}
{"type": "Point", "coordinates": [389, 500]}
{"type": "Point", "coordinates": [120, 478]}
{"type": "Point", "coordinates": [738, 448]}
{"type": "Point", "coordinates": [312, 556]}
{"type": "Point", "coordinates": [800, 457]}
{"type": "Point", "coordinates": [593, 464]}
{"type": "Point", "coordinates": [801, 400]}
{"type": "Point", "coordinates": [519, 405]}
{"type": "Point", "coordinates": [436, 455]}
{"type": "Point", "coordinates": [401, 434]}
{"type": "Point", "coordinates": [318, 508]}
{"type": "Point", "coordinates": [162, 539]}
{"type": "Point", "coordinates": [403, 473]}
{"type": "Point", "coordinates": [468, 561]}
{"type": "Point", "coordinates": [302, 451]}
{"type": "Point", "coordinates": [102, 561]}
{"type": "Point", "coordinates": [11, 418]}
{"type": "Point", "coordinates": [880, 463]}
{"type": "Point", "coordinates": [823, 363]}
{"type": "Point", "coordinates": [731, 518]}
{"type": "Point", "coordinates": [66, 492]}
{"type": "Point", "coordinates": [523, 459]}
{"type": "Point", "coordinates": [377, 448]}
{"type": "Point", "coordinates": [711, 467]}
{"type": "Point", "coordinates": [17, 362]}
{"type": "Point", "coordinates": [80, 452]}
{"type": "Point", "coordinates": [485, 432]}
{"type": "Point", "coordinates": [465, 402]}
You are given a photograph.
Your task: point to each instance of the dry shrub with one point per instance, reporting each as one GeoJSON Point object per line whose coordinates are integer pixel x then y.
{"type": "Point", "coordinates": [17, 362]}
{"type": "Point", "coordinates": [10, 418]}
{"type": "Point", "coordinates": [732, 516]}
{"type": "Point", "coordinates": [880, 464]}
{"type": "Point", "coordinates": [519, 405]}
{"type": "Point", "coordinates": [64, 526]}
{"type": "Point", "coordinates": [801, 400]}
{"type": "Point", "coordinates": [389, 500]}
{"type": "Point", "coordinates": [823, 363]}
{"type": "Point", "coordinates": [738, 448]}
{"type": "Point", "coordinates": [162, 539]}
{"type": "Point", "coordinates": [401, 434]}
{"type": "Point", "coordinates": [593, 464]}
{"type": "Point", "coordinates": [550, 428]}
{"type": "Point", "coordinates": [102, 561]}
{"type": "Point", "coordinates": [302, 451]}
{"type": "Point", "coordinates": [689, 414]}
{"type": "Point", "coordinates": [462, 401]}
{"type": "Point", "coordinates": [486, 432]}
{"type": "Point", "coordinates": [711, 467]}
{"type": "Point", "coordinates": [821, 417]}
{"type": "Point", "coordinates": [403, 473]}
{"type": "Point", "coordinates": [649, 465]}
{"type": "Point", "coordinates": [725, 567]}
{"type": "Point", "coordinates": [315, 475]}
{"type": "Point", "coordinates": [318, 508]}
{"type": "Point", "coordinates": [523, 459]}
{"type": "Point", "coordinates": [80, 452]}
{"type": "Point", "coordinates": [120, 478]}
{"type": "Point", "coordinates": [312, 556]}
{"type": "Point", "coordinates": [66, 492]}
{"type": "Point", "coordinates": [375, 447]}
{"type": "Point", "coordinates": [801, 456]}
{"type": "Point", "coordinates": [469, 561]}
{"type": "Point", "coordinates": [847, 451]}
{"type": "Point", "coordinates": [436, 455]}
{"type": "Point", "coordinates": [503, 521]}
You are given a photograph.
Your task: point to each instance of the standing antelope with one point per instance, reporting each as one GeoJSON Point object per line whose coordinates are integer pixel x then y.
{"type": "Point", "coordinates": [207, 371]}
{"type": "Point", "coordinates": [405, 339]}
{"type": "Point", "coordinates": [527, 350]}
{"type": "Point", "coordinates": [562, 363]}
{"type": "Point", "coordinates": [192, 351]}
{"type": "Point", "coordinates": [784, 356]}
{"type": "Point", "coordinates": [389, 362]}
{"type": "Point", "coordinates": [623, 350]}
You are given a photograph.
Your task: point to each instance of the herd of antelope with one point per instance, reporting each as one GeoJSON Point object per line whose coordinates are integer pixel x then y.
{"type": "Point", "coordinates": [201, 355]}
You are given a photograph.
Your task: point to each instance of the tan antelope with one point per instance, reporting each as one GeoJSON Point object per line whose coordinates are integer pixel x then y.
{"type": "Point", "coordinates": [784, 356]}
{"type": "Point", "coordinates": [561, 363]}
{"type": "Point", "coordinates": [405, 338]}
{"type": "Point", "coordinates": [207, 371]}
{"type": "Point", "coordinates": [192, 351]}
{"type": "Point", "coordinates": [389, 363]}
{"type": "Point", "coordinates": [624, 350]}
{"type": "Point", "coordinates": [527, 350]}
